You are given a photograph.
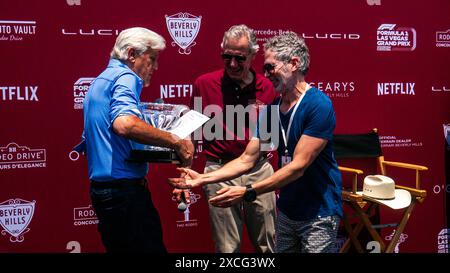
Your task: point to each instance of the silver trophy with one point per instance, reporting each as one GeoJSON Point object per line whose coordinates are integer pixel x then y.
{"type": "Point", "coordinates": [164, 117]}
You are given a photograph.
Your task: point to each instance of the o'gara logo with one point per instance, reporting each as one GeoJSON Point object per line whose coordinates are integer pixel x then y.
{"type": "Point", "coordinates": [15, 216]}
{"type": "Point", "coordinates": [183, 28]}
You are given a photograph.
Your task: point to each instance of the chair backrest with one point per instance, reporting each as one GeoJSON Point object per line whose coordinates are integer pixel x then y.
{"type": "Point", "coordinates": [357, 145]}
{"type": "Point", "coordinates": [361, 151]}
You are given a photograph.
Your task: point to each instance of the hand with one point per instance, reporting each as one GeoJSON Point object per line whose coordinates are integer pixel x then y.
{"type": "Point", "coordinates": [185, 150]}
{"type": "Point", "coordinates": [188, 179]}
{"type": "Point", "coordinates": [227, 196]}
{"type": "Point", "coordinates": [177, 194]}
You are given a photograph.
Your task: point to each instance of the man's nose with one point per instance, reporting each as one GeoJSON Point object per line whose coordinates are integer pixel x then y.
{"type": "Point", "coordinates": [233, 62]}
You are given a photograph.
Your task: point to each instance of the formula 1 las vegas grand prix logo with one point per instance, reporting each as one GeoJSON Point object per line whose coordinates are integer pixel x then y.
{"type": "Point", "coordinates": [390, 37]}
{"type": "Point", "coordinates": [183, 28]}
{"type": "Point", "coordinates": [15, 216]}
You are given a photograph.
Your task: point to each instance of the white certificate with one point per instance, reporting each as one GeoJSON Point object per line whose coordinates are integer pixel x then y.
{"type": "Point", "coordinates": [188, 123]}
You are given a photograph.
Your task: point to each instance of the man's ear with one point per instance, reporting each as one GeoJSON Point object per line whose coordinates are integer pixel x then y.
{"type": "Point", "coordinates": [295, 61]}
{"type": "Point", "coordinates": [131, 54]}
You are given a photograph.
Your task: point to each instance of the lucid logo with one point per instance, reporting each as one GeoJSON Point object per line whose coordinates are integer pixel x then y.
{"type": "Point", "coordinates": [440, 89]}
{"type": "Point", "coordinates": [335, 36]}
{"type": "Point", "coordinates": [90, 32]}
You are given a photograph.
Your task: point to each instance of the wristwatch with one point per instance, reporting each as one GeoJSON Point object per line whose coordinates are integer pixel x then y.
{"type": "Point", "coordinates": [250, 193]}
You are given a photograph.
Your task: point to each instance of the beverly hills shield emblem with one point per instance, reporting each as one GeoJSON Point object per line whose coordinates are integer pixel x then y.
{"type": "Point", "coordinates": [15, 216]}
{"type": "Point", "coordinates": [183, 28]}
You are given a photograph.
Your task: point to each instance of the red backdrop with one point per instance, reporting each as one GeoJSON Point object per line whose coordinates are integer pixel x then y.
{"type": "Point", "coordinates": [383, 63]}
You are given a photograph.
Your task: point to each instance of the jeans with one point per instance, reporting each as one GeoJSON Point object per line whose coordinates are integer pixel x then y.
{"type": "Point", "coordinates": [128, 221]}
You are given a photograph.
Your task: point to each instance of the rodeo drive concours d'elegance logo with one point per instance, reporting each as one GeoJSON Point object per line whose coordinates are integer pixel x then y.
{"type": "Point", "coordinates": [183, 28]}
{"type": "Point", "coordinates": [15, 216]}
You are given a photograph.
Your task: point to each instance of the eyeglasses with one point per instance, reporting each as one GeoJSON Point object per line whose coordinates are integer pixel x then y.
{"type": "Point", "coordinates": [239, 58]}
{"type": "Point", "coordinates": [269, 68]}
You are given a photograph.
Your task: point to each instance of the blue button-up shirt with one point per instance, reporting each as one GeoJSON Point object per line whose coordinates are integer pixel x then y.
{"type": "Point", "coordinates": [113, 93]}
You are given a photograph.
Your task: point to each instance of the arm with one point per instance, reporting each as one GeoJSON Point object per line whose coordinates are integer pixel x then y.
{"type": "Point", "coordinates": [131, 127]}
{"type": "Point", "coordinates": [245, 162]}
{"type": "Point", "coordinates": [306, 151]}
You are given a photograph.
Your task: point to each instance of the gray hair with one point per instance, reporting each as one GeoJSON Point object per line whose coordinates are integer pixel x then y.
{"type": "Point", "coordinates": [288, 45]}
{"type": "Point", "coordinates": [138, 38]}
{"type": "Point", "coordinates": [238, 31]}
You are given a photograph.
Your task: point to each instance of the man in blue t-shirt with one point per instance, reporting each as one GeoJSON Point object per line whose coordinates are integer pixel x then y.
{"type": "Point", "coordinates": [309, 180]}
{"type": "Point", "coordinates": [128, 221]}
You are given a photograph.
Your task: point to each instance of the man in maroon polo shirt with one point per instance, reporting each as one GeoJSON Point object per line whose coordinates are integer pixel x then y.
{"type": "Point", "coordinates": [237, 84]}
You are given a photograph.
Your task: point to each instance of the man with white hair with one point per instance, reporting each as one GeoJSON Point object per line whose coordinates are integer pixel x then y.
{"type": "Point", "coordinates": [128, 221]}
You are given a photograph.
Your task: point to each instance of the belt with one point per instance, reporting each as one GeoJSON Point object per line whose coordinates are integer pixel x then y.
{"type": "Point", "coordinates": [225, 161]}
{"type": "Point", "coordinates": [218, 160]}
{"type": "Point", "coordinates": [118, 183]}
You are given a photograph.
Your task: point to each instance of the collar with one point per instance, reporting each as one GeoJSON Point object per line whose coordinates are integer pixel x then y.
{"type": "Point", "coordinates": [228, 81]}
{"type": "Point", "coordinates": [114, 63]}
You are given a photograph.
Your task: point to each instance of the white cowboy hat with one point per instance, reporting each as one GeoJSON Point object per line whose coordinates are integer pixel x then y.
{"type": "Point", "coordinates": [381, 189]}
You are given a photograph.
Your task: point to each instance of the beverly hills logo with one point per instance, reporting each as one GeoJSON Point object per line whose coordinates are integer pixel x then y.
{"type": "Point", "coordinates": [183, 28]}
{"type": "Point", "coordinates": [15, 216]}
{"type": "Point", "coordinates": [16, 30]}
{"type": "Point", "coordinates": [14, 156]}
